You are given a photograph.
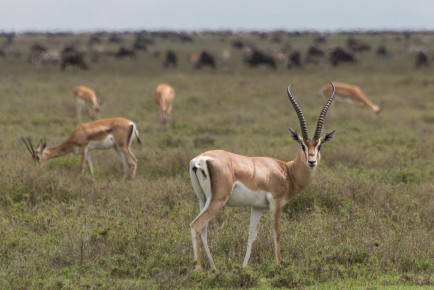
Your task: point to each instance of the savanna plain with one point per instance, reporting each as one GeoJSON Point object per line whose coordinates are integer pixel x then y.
{"type": "Point", "coordinates": [365, 221]}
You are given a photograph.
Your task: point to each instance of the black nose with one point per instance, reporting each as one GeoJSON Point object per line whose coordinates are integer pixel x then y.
{"type": "Point", "coordinates": [312, 162]}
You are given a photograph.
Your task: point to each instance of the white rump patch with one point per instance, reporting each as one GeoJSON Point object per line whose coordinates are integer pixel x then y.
{"type": "Point", "coordinates": [202, 173]}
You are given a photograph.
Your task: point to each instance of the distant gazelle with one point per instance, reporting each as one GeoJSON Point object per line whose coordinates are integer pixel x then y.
{"type": "Point", "coordinates": [222, 178]}
{"type": "Point", "coordinates": [352, 94]}
{"type": "Point", "coordinates": [86, 98]}
{"type": "Point", "coordinates": [114, 133]}
{"type": "Point", "coordinates": [163, 97]}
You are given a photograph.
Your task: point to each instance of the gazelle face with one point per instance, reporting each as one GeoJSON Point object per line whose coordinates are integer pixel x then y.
{"type": "Point", "coordinates": [311, 148]}
{"type": "Point", "coordinates": [38, 155]}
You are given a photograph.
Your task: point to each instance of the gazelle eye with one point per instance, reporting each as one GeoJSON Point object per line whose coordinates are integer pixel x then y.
{"type": "Point", "coordinates": [319, 147]}
{"type": "Point", "coordinates": [37, 158]}
{"type": "Point", "coordinates": [303, 148]}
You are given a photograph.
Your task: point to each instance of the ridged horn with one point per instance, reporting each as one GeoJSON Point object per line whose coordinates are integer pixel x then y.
{"type": "Point", "coordinates": [299, 114]}
{"type": "Point", "coordinates": [29, 145]}
{"type": "Point", "coordinates": [323, 114]}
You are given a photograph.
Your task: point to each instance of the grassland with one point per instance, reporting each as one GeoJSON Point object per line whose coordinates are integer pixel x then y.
{"type": "Point", "coordinates": [366, 220]}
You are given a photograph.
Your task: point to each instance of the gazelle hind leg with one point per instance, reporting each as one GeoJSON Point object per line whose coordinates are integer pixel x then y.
{"type": "Point", "coordinates": [124, 160]}
{"type": "Point", "coordinates": [202, 203]}
{"type": "Point", "coordinates": [199, 226]}
{"type": "Point", "coordinates": [129, 162]}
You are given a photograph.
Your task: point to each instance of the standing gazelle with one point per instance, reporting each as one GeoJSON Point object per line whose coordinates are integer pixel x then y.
{"type": "Point", "coordinates": [114, 133]}
{"type": "Point", "coordinates": [163, 97]}
{"type": "Point", "coordinates": [222, 178]}
{"type": "Point", "coordinates": [352, 94]}
{"type": "Point", "coordinates": [86, 98]}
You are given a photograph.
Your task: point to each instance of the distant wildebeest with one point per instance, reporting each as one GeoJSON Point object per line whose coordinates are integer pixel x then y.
{"type": "Point", "coordinates": [339, 55]}
{"type": "Point", "coordinates": [381, 51]}
{"type": "Point", "coordinates": [37, 48]}
{"type": "Point", "coordinates": [205, 59]}
{"type": "Point", "coordinates": [320, 39]}
{"type": "Point", "coordinates": [183, 37]}
{"type": "Point", "coordinates": [142, 41]}
{"type": "Point", "coordinates": [171, 59]}
{"type": "Point", "coordinates": [314, 54]}
{"type": "Point", "coordinates": [421, 59]}
{"type": "Point", "coordinates": [258, 58]}
{"type": "Point", "coordinates": [238, 44]}
{"type": "Point", "coordinates": [71, 56]}
{"type": "Point", "coordinates": [294, 59]}
{"type": "Point", "coordinates": [357, 45]}
{"type": "Point", "coordinates": [35, 52]}
{"type": "Point", "coordinates": [94, 39]}
{"type": "Point", "coordinates": [314, 51]}
{"type": "Point", "coordinates": [114, 38]}
{"type": "Point", "coordinates": [125, 52]}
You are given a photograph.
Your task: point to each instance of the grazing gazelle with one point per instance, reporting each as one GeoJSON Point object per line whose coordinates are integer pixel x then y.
{"type": "Point", "coordinates": [86, 98]}
{"type": "Point", "coordinates": [222, 178]}
{"type": "Point", "coordinates": [101, 134]}
{"type": "Point", "coordinates": [163, 97]}
{"type": "Point", "coordinates": [352, 94]}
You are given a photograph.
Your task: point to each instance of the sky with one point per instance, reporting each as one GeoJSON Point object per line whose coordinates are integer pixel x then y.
{"type": "Point", "coordinates": [197, 15]}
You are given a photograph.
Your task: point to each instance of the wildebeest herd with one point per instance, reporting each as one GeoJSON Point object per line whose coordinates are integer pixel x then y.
{"type": "Point", "coordinates": [81, 53]}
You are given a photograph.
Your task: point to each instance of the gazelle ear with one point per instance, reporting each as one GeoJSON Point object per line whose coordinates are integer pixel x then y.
{"type": "Point", "coordinates": [42, 146]}
{"type": "Point", "coordinates": [328, 136]}
{"type": "Point", "coordinates": [295, 136]}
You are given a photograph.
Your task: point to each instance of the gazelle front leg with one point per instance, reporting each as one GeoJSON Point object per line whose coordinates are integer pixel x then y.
{"type": "Point", "coordinates": [89, 162]}
{"type": "Point", "coordinates": [255, 217]}
{"type": "Point", "coordinates": [274, 222]}
{"type": "Point", "coordinates": [124, 160]}
{"type": "Point", "coordinates": [78, 108]}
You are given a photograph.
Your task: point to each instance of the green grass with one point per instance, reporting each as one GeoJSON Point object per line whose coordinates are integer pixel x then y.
{"type": "Point", "coordinates": [366, 221]}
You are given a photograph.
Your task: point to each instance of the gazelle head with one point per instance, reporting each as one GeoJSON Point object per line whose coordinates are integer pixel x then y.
{"type": "Point", "coordinates": [97, 112]}
{"type": "Point", "coordinates": [38, 155]}
{"type": "Point", "coordinates": [311, 147]}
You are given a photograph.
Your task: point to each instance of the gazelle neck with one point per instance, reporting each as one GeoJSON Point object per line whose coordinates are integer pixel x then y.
{"type": "Point", "coordinates": [299, 173]}
{"type": "Point", "coordinates": [58, 150]}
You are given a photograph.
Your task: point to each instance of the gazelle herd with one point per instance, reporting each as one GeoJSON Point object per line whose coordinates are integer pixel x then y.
{"type": "Point", "coordinates": [218, 177]}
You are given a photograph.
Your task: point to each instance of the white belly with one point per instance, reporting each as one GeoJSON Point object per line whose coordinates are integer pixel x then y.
{"type": "Point", "coordinates": [243, 196]}
{"type": "Point", "coordinates": [106, 143]}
